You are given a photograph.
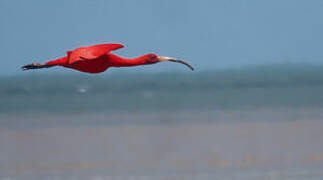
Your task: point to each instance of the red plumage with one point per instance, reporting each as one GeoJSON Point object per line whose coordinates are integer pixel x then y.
{"type": "Point", "coordinates": [97, 58]}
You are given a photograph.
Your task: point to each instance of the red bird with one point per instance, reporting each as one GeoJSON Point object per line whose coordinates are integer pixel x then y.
{"type": "Point", "coordinates": [97, 58]}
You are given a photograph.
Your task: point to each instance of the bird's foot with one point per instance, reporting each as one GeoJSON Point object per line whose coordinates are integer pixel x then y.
{"type": "Point", "coordinates": [32, 66]}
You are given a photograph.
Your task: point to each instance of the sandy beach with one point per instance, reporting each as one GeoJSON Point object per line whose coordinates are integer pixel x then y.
{"type": "Point", "coordinates": [219, 149]}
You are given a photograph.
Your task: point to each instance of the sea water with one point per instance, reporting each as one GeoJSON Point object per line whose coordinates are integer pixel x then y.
{"type": "Point", "coordinates": [261, 122]}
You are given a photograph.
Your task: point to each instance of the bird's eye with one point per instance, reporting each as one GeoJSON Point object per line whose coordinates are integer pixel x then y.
{"type": "Point", "coordinates": [153, 56]}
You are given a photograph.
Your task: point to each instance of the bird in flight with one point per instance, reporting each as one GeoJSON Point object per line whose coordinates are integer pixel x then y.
{"type": "Point", "coordinates": [98, 58]}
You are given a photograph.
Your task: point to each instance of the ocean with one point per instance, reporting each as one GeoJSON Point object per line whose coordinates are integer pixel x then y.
{"type": "Point", "coordinates": [254, 122]}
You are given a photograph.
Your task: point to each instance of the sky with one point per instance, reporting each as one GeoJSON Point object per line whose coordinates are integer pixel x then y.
{"type": "Point", "coordinates": [209, 34]}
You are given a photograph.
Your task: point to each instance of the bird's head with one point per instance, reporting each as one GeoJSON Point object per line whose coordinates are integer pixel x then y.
{"type": "Point", "coordinates": [153, 58]}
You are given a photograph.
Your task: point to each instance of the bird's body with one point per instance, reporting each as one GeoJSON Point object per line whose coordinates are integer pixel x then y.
{"type": "Point", "coordinates": [97, 58]}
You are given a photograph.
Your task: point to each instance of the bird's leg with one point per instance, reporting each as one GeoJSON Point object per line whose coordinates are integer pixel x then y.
{"type": "Point", "coordinates": [35, 66]}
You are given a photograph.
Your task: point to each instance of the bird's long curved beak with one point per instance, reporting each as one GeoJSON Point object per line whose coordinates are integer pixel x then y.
{"type": "Point", "coordinates": [163, 58]}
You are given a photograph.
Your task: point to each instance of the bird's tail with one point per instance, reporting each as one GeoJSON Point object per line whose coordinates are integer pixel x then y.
{"type": "Point", "coordinates": [35, 66]}
{"type": "Point", "coordinates": [55, 62]}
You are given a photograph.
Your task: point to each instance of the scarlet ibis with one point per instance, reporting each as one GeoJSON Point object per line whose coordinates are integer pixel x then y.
{"type": "Point", "coordinates": [97, 58]}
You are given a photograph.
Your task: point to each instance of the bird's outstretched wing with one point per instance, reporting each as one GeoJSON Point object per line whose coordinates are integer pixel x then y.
{"type": "Point", "coordinates": [91, 52]}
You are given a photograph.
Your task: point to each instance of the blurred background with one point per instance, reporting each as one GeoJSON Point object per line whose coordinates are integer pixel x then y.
{"type": "Point", "coordinates": [251, 110]}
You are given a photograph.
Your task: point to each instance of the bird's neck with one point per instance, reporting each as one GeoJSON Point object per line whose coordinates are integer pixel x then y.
{"type": "Point", "coordinates": [123, 62]}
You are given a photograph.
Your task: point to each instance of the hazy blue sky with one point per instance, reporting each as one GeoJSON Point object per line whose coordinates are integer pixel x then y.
{"type": "Point", "coordinates": [207, 33]}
